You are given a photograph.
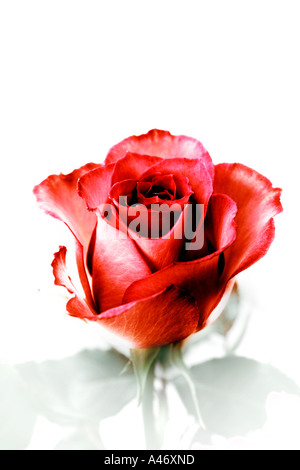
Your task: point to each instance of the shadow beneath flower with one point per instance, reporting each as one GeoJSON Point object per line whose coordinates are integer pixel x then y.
{"type": "Point", "coordinates": [17, 412]}
{"type": "Point", "coordinates": [80, 392]}
{"type": "Point", "coordinates": [77, 393]}
{"type": "Point", "coordinates": [232, 393]}
{"type": "Point", "coordinates": [87, 387]}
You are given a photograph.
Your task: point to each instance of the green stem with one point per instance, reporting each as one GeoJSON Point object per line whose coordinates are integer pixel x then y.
{"type": "Point", "coordinates": [151, 436]}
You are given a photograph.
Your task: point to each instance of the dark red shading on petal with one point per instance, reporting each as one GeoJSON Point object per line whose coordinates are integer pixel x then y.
{"type": "Point", "coordinates": [84, 277]}
{"type": "Point", "coordinates": [219, 226]}
{"type": "Point", "coordinates": [77, 306]}
{"type": "Point", "coordinates": [183, 187]}
{"type": "Point", "coordinates": [121, 193]}
{"type": "Point", "coordinates": [200, 277]}
{"type": "Point", "coordinates": [163, 189]}
{"type": "Point", "coordinates": [167, 316]}
{"type": "Point", "coordinates": [158, 251]}
{"type": "Point", "coordinates": [156, 189]}
{"type": "Point", "coordinates": [116, 264]}
{"type": "Point", "coordinates": [57, 195]}
{"type": "Point", "coordinates": [162, 144]}
{"type": "Point", "coordinates": [257, 202]}
{"type": "Point", "coordinates": [219, 223]}
{"type": "Point", "coordinates": [90, 252]}
{"type": "Point", "coordinates": [194, 170]}
{"type": "Point", "coordinates": [95, 185]}
{"type": "Point", "coordinates": [131, 166]}
{"type": "Point", "coordinates": [163, 251]}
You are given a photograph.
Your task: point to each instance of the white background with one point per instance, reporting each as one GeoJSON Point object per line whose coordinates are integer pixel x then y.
{"type": "Point", "coordinates": [79, 76]}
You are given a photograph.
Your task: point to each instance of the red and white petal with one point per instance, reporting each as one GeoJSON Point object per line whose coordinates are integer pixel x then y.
{"type": "Point", "coordinates": [201, 277]}
{"type": "Point", "coordinates": [77, 306]}
{"type": "Point", "coordinates": [131, 166]}
{"type": "Point", "coordinates": [95, 185]}
{"type": "Point", "coordinates": [163, 251]}
{"type": "Point", "coordinates": [84, 276]}
{"type": "Point", "coordinates": [257, 202]}
{"type": "Point", "coordinates": [117, 262]}
{"type": "Point", "coordinates": [162, 144]}
{"type": "Point", "coordinates": [194, 170]}
{"type": "Point", "coordinates": [219, 226]}
{"type": "Point", "coordinates": [168, 316]}
{"type": "Point", "coordinates": [57, 195]}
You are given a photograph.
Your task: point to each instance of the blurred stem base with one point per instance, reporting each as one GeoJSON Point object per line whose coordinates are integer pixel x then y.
{"type": "Point", "coordinates": [152, 437]}
{"type": "Point", "coordinates": [145, 363]}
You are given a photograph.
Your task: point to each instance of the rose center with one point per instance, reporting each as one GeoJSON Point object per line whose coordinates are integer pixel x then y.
{"type": "Point", "coordinates": [155, 189]}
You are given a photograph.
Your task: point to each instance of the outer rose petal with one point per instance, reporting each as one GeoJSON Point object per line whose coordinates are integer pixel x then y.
{"type": "Point", "coordinates": [258, 202]}
{"type": "Point", "coordinates": [57, 195]}
{"type": "Point", "coordinates": [162, 144]}
{"type": "Point", "coordinates": [94, 186]}
{"type": "Point", "coordinates": [168, 316]}
{"type": "Point", "coordinates": [199, 277]}
{"type": "Point", "coordinates": [219, 226]}
{"type": "Point", "coordinates": [117, 262]}
{"type": "Point", "coordinates": [83, 274]}
{"type": "Point", "coordinates": [76, 306]}
{"type": "Point", "coordinates": [219, 223]}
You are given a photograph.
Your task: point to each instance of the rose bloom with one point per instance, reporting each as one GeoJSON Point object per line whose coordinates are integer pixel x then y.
{"type": "Point", "coordinates": [158, 290]}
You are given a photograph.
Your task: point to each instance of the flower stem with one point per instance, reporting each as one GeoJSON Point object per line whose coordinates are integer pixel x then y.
{"type": "Point", "coordinates": [151, 436]}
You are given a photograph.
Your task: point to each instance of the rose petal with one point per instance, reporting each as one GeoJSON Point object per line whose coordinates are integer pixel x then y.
{"type": "Point", "coordinates": [84, 277]}
{"type": "Point", "coordinates": [257, 202]}
{"type": "Point", "coordinates": [219, 223]}
{"type": "Point", "coordinates": [157, 189]}
{"type": "Point", "coordinates": [117, 262]}
{"type": "Point", "coordinates": [183, 187]}
{"type": "Point", "coordinates": [121, 192]}
{"type": "Point", "coordinates": [163, 251]}
{"type": "Point", "coordinates": [173, 189]}
{"type": "Point", "coordinates": [219, 226]}
{"type": "Point", "coordinates": [131, 166]}
{"type": "Point", "coordinates": [166, 317]}
{"type": "Point", "coordinates": [162, 144]}
{"type": "Point", "coordinates": [95, 185]}
{"type": "Point", "coordinates": [77, 306]}
{"type": "Point", "coordinates": [170, 315]}
{"type": "Point", "coordinates": [157, 252]}
{"type": "Point", "coordinates": [193, 169]}
{"type": "Point", "coordinates": [57, 195]}
{"type": "Point", "coordinates": [200, 277]}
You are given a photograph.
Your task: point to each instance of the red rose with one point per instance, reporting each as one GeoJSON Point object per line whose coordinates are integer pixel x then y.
{"type": "Point", "coordinates": [157, 290]}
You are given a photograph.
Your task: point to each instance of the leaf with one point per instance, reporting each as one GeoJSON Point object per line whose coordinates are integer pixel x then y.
{"type": "Point", "coordinates": [232, 393]}
{"type": "Point", "coordinates": [87, 387]}
{"type": "Point", "coordinates": [142, 360]}
{"type": "Point", "coordinates": [17, 414]}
